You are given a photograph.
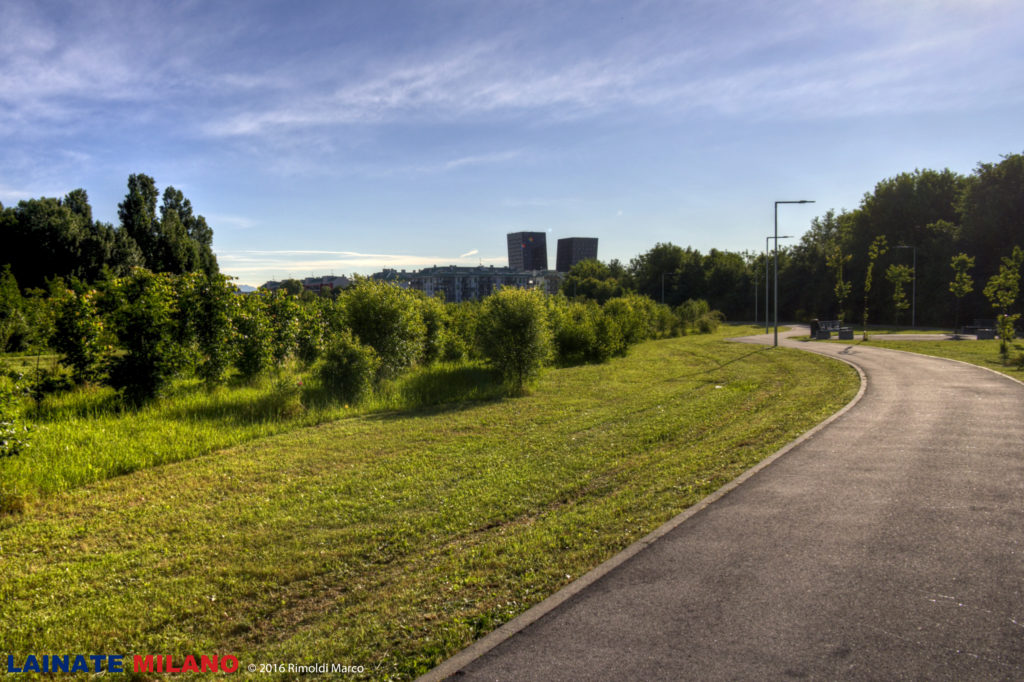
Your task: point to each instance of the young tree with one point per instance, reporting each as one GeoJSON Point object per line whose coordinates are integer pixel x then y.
{"type": "Point", "coordinates": [14, 331]}
{"type": "Point", "coordinates": [387, 319]}
{"type": "Point", "coordinates": [513, 334]}
{"type": "Point", "coordinates": [283, 312]}
{"type": "Point", "coordinates": [899, 276]}
{"type": "Point", "coordinates": [312, 330]}
{"type": "Point", "coordinates": [148, 329]}
{"type": "Point", "coordinates": [1001, 291]}
{"type": "Point", "coordinates": [206, 305]}
{"type": "Point", "coordinates": [254, 338]}
{"type": "Point", "coordinates": [962, 283]}
{"type": "Point", "coordinates": [877, 248]}
{"type": "Point", "coordinates": [79, 335]}
{"type": "Point", "coordinates": [835, 260]}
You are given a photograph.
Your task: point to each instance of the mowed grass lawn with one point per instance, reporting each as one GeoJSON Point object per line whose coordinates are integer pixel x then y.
{"type": "Point", "coordinates": [392, 541]}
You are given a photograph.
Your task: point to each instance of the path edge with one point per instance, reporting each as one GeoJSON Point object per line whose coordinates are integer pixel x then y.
{"type": "Point", "coordinates": [493, 639]}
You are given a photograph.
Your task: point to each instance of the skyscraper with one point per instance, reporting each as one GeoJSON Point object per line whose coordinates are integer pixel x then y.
{"type": "Point", "coordinates": [527, 251]}
{"type": "Point", "coordinates": [574, 249]}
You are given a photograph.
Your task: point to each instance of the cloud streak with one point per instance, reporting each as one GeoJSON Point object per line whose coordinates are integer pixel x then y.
{"type": "Point", "coordinates": [257, 266]}
{"type": "Point", "coordinates": [684, 58]}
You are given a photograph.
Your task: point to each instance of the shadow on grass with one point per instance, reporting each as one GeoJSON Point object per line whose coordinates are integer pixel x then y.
{"type": "Point", "coordinates": [451, 386]}
{"type": "Point", "coordinates": [754, 350]}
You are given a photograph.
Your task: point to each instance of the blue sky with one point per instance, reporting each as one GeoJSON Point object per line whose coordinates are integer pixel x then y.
{"type": "Point", "coordinates": [347, 136]}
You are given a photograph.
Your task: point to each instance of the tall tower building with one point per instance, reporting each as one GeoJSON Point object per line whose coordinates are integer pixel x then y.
{"type": "Point", "coordinates": [527, 251]}
{"type": "Point", "coordinates": [574, 249]}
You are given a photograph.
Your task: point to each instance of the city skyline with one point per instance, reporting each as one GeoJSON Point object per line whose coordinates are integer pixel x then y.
{"type": "Point", "coordinates": [337, 137]}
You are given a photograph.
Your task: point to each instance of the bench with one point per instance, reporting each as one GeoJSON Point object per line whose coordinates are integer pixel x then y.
{"type": "Point", "coordinates": [822, 330]}
{"type": "Point", "coordinates": [983, 329]}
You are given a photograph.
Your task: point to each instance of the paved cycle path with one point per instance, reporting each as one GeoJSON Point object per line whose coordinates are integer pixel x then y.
{"type": "Point", "coordinates": [887, 545]}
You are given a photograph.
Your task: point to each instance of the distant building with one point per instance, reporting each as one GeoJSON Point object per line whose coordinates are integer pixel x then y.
{"type": "Point", "coordinates": [325, 284]}
{"type": "Point", "coordinates": [318, 285]}
{"type": "Point", "coordinates": [400, 279]}
{"type": "Point", "coordinates": [457, 283]}
{"type": "Point", "coordinates": [527, 251]}
{"type": "Point", "coordinates": [574, 249]}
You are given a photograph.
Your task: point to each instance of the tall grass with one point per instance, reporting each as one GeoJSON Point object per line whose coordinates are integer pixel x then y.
{"type": "Point", "coordinates": [90, 434]}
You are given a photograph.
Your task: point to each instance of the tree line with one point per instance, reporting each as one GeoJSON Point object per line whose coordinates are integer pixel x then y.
{"type": "Point", "coordinates": [49, 237]}
{"type": "Point", "coordinates": [908, 244]}
{"type": "Point", "coordinates": [142, 332]}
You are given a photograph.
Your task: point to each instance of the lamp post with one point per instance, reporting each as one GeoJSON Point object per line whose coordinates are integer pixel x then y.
{"type": "Point", "coordinates": [801, 201]}
{"type": "Point", "coordinates": [913, 286]}
{"type": "Point", "coordinates": [766, 287]}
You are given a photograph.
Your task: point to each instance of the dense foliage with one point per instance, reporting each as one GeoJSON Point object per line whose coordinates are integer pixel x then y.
{"type": "Point", "coordinates": [58, 237]}
{"type": "Point", "coordinates": [927, 218]}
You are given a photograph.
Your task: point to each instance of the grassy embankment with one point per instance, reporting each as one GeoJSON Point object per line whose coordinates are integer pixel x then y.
{"type": "Point", "coordinates": [393, 540]}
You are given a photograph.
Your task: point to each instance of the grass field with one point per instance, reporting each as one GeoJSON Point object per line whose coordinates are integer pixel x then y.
{"type": "Point", "coordinates": [393, 540]}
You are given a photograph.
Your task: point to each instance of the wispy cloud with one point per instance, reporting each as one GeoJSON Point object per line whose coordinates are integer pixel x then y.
{"type": "Point", "coordinates": [795, 60]}
{"type": "Point", "coordinates": [270, 264]}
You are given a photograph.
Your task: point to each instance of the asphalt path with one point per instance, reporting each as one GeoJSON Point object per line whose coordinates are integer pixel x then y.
{"type": "Point", "coordinates": [886, 545]}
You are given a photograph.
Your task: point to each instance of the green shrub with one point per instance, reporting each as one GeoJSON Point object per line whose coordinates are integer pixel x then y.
{"type": "Point", "coordinates": [253, 338]}
{"type": "Point", "coordinates": [583, 332]}
{"type": "Point", "coordinates": [312, 331]}
{"type": "Point", "coordinates": [79, 336]}
{"type": "Point", "coordinates": [513, 334]}
{"type": "Point", "coordinates": [206, 305]}
{"type": "Point", "coordinates": [708, 323]}
{"type": "Point", "coordinates": [460, 341]}
{"type": "Point", "coordinates": [696, 315]}
{"type": "Point", "coordinates": [148, 329]}
{"type": "Point", "coordinates": [387, 319]}
{"type": "Point", "coordinates": [692, 310]}
{"type": "Point", "coordinates": [435, 322]}
{"type": "Point", "coordinates": [609, 339]}
{"type": "Point", "coordinates": [285, 398]}
{"type": "Point", "coordinates": [573, 332]}
{"type": "Point", "coordinates": [348, 368]}
{"type": "Point", "coordinates": [48, 380]}
{"type": "Point", "coordinates": [283, 314]}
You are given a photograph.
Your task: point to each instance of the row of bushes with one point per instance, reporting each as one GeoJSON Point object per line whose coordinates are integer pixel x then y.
{"type": "Point", "coordinates": [139, 332]}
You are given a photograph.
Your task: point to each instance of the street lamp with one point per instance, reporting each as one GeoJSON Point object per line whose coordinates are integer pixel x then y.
{"type": "Point", "coordinates": [913, 286]}
{"type": "Point", "coordinates": [801, 201]}
{"type": "Point", "coordinates": [766, 252]}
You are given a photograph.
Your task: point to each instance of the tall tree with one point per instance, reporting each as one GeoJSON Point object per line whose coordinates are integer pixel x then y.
{"type": "Point", "coordinates": [77, 200]}
{"type": "Point", "coordinates": [196, 229]}
{"type": "Point", "coordinates": [44, 241]}
{"type": "Point", "coordinates": [138, 217]}
{"type": "Point", "coordinates": [992, 211]}
{"type": "Point", "coordinates": [176, 253]}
